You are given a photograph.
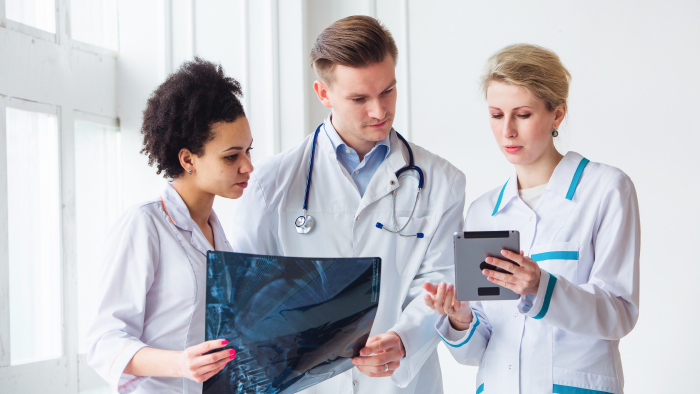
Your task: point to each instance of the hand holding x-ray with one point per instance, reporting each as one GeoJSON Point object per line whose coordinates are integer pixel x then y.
{"type": "Point", "coordinates": [381, 355]}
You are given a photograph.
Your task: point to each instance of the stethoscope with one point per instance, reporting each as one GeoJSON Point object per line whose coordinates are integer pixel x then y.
{"type": "Point", "coordinates": [305, 223]}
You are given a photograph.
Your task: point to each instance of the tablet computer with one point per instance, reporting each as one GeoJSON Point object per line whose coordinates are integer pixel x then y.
{"type": "Point", "coordinates": [471, 250]}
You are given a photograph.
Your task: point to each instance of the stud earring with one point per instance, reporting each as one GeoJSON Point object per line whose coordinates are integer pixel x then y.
{"type": "Point", "coordinates": [190, 172]}
{"type": "Point", "coordinates": [555, 133]}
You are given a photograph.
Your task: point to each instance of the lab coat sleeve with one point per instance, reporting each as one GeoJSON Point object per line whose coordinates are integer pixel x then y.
{"type": "Point", "coordinates": [607, 306]}
{"type": "Point", "coordinates": [415, 325]}
{"type": "Point", "coordinates": [252, 230]}
{"type": "Point", "coordinates": [130, 259]}
{"type": "Point", "coordinates": [468, 346]}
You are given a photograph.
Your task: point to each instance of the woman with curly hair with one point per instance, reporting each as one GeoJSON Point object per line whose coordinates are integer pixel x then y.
{"type": "Point", "coordinates": [148, 335]}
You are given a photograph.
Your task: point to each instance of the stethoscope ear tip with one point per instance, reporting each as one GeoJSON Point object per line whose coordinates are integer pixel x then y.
{"type": "Point", "coordinates": [420, 235]}
{"type": "Point", "coordinates": [379, 225]}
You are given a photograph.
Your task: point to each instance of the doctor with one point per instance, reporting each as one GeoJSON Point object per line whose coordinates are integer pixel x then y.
{"type": "Point", "coordinates": [356, 155]}
{"type": "Point", "coordinates": [148, 334]}
{"type": "Point", "coordinates": [579, 226]}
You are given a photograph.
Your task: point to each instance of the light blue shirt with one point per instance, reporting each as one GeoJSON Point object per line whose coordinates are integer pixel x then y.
{"type": "Point", "coordinates": [361, 172]}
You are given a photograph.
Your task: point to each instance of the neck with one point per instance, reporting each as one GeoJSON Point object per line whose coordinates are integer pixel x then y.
{"type": "Point", "coordinates": [198, 202]}
{"type": "Point", "coordinates": [540, 171]}
{"type": "Point", "coordinates": [362, 147]}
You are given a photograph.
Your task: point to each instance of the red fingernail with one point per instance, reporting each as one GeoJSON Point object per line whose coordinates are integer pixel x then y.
{"type": "Point", "coordinates": [232, 357]}
{"type": "Point", "coordinates": [224, 342]}
{"type": "Point", "coordinates": [232, 352]}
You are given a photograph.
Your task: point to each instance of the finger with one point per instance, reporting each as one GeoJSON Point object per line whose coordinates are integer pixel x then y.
{"type": "Point", "coordinates": [382, 343]}
{"type": "Point", "coordinates": [204, 347]}
{"type": "Point", "coordinates": [499, 282]}
{"type": "Point", "coordinates": [379, 369]}
{"type": "Point", "coordinates": [449, 299]}
{"type": "Point", "coordinates": [430, 288]}
{"type": "Point", "coordinates": [522, 253]}
{"type": "Point", "coordinates": [213, 372]}
{"type": "Point", "coordinates": [429, 301]}
{"type": "Point", "coordinates": [518, 258]}
{"type": "Point", "coordinates": [379, 359]}
{"type": "Point", "coordinates": [498, 275]}
{"type": "Point", "coordinates": [440, 298]}
{"type": "Point", "coordinates": [506, 265]}
{"type": "Point", "coordinates": [213, 358]}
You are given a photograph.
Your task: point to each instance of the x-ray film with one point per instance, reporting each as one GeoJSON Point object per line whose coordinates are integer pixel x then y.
{"type": "Point", "coordinates": [293, 321]}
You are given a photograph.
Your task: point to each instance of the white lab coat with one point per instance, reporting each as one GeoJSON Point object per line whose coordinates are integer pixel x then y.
{"type": "Point", "coordinates": [345, 227]}
{"type": "Point", "coordinates": [585, 235]}
{"type": "Point", "coordinates": [152, 291]}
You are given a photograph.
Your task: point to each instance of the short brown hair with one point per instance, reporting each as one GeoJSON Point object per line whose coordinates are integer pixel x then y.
{"type": "Point", "coordinates": [356, 41]}
{"type": "Point", "coordinates": [537, 69]}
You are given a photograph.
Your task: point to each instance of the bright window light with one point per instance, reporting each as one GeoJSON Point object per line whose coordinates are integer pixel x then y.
{"type": "Point", "coordinates": [34, 236]}
{"type": "Point", "coordinates": [95, 22]}
{"type": "Point", "coordinates": [36, 13]}
{"type": "Point", "coordinates": [98, 205]}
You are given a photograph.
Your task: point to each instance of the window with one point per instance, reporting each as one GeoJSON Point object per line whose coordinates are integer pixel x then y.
{"type": "Point", "coordinates": [95, 22]}
{"type": "Point", "coordinates": [33, 236]}
{"type": "Point", "coordinates": [98, 204]}
{"type": "Point", "coordinates": [40, 14]}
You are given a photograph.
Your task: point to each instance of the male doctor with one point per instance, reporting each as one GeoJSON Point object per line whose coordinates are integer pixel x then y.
{"type": "Point", "coordinates": [352, 180]}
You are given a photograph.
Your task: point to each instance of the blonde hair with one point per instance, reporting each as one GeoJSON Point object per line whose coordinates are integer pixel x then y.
{"type": "Point", "coordinates": [537, 69]}
{"type": "Point", "coordinates": [356, 41]}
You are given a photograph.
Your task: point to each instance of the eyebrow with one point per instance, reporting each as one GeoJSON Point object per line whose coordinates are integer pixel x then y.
{"type": "Point", "coordinates": [237, 147]}
{"type": "Point", "coordinates": [393, 84]}
{"type": "Point", "coordinates": [514, 109]}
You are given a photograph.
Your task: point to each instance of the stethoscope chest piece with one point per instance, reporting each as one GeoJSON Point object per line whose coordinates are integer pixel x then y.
{"type": "Point", "coordinates": [304, 224]}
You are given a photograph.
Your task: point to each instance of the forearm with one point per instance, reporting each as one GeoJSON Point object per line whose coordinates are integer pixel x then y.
{"type": "Point", "coordinates": [155, 362]}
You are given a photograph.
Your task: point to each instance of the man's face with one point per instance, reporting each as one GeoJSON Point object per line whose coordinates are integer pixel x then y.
{"type": "Point", "coordinates": [363, 101]}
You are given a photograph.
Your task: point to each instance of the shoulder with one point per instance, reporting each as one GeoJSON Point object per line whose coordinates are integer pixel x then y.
{"type": "Point", "coordinates": [438, 169]}
{"type": "Point", "coordinates": [483, 206]}
{"type": "Point", "coordinates": [139, 218]}
{"type": "Point", "coordinates": [602, 179]}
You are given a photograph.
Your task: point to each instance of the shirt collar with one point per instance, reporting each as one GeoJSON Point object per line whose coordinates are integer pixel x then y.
{"type": "Point", "coordinates": [563, 182]}
{"type": "Point", "coordinates": [338, 143]}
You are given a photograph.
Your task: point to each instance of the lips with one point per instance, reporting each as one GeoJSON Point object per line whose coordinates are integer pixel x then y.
{"type": "Point", "coordinates": [378, 125]}
{"type": "Point", "coordinates": [512, 148]}
{"type": "Point", "coordinates": [242, 185]}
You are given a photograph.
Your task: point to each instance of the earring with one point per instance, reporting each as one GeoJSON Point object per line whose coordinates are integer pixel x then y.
{"type": "Point", "coordinates": [190, 172]}
{"type": "Point", "coordinates": [555, 133]}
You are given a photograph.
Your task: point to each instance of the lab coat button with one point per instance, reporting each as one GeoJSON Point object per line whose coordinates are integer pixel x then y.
{"type": "Point", "coordinates": [354, 383]}
{"type": "Point", "coordinates": [392, 183]}
{"type": "Point", "coordinates": [530, 218]}
{"type": "Point", "coordinates": [516, 314]}
{"type": "Point", "coordinates": [510, 367]}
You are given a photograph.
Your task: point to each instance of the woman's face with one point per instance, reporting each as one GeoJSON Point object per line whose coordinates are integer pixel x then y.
{"type": "Point", "coordinates": [225, 166]}
{"type": "Point", "coordinates": [521, 123]}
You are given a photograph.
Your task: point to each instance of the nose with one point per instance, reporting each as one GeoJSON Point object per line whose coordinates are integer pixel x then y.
{"type": "Point", "coordinates": [509, 128]}
{"type": "Point", "coordinates": [247, 166]}
{"type": "Point", "coordinates": [376, 109]}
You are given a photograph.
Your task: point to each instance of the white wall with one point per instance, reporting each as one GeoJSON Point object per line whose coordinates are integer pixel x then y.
{"type": "Point", "coordinates": [632, 105]}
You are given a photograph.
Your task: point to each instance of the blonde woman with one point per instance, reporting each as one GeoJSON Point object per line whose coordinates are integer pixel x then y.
{"type": "Point", "coordinates": [578, 273]}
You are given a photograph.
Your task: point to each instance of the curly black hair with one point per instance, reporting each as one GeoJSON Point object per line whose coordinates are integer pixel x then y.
{"type": "Point", "coordinates": [180, 113]}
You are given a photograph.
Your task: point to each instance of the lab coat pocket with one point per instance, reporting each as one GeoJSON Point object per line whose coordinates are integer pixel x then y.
{"type": "Point", "coordinates": [411, 250]}
{"type": "Point", "coordinates": [558, 258]}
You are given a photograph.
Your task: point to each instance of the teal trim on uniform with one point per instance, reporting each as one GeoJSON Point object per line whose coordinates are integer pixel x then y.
{"type": "Point", "coordinates": [547, 296]}
{"type": "Point", "coordinates": [577, 176]}
{"type": "Point", "coordinates": [559, 389]}
{"type": "Point", "coordinates": [557, 255]}
{"type": "Point", "coordinates": [480, 389]}
{"type": "Point", "coordinates": [473, 328]}
{"type": "Point", "coordinates": [500, 197]}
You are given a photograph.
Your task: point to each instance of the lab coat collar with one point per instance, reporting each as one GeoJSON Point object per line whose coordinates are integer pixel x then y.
{"type": "Point", "coordinates": [562, 184]}
{"type": "Point", "coordinates": [177, 211]}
